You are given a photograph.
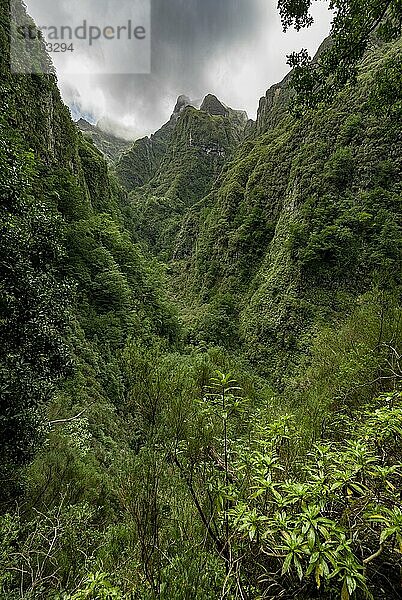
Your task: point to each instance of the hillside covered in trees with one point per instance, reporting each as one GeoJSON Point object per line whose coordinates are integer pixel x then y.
{"type": "Point", "coordinates": [201, 340]}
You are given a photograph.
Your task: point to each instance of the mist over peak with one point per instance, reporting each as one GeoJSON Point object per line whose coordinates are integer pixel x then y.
{"type": "Point", "coordinates": [232, 49]}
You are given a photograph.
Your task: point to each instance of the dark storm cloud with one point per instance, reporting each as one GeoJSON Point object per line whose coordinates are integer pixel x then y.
{"type": "Point", "coordinates": [233, 48]}
{"type": "Point", "coordinates": [187, 34]}
{"type": "Point", "coordinates": [194, 28]}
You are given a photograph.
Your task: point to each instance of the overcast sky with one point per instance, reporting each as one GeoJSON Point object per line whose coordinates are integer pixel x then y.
{"type": "Point", "coordinates": [232, 48]}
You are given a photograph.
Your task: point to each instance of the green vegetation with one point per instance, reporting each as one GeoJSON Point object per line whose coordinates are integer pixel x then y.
{"type": "Point", "coordinates": [187, 155]}
{"type": "Point", "coordinates": [111, 146]}
{"type": "Point", "coordinates": [33, 303]}
{"type": "Point", "coordinates": [301, 224]}
{"type": "Point", "coordinates": [355, 26]}
{"type": "Point", "coordinates": [227, 424]}
{"type": "Point", "coordinates": [74, 287]}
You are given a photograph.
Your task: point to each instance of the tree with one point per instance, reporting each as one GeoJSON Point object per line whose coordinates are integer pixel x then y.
{"type": "Point", "coordinates": [355, 24]}
{"type": "Point", "coordinates": [33, 305]}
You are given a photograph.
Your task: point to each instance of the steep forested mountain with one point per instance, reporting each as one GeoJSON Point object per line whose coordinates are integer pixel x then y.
{"type": "Point", "coordinates": [74, 287]}
{"type": "Point", "coordinates": [141, 163]}
{"type": "Point", "coordinates": [200, 359]}
{"type": "Point", "coordinates": [290, 231]}
{"type": "Point", "coordinates": [169, 172]}
{"type": "Point", "coordinates": [304, 220]}
{"type": "Point", "coordinates": [110, 145]}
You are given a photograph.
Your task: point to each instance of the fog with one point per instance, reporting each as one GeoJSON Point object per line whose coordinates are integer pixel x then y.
{"type": "Point", "coordinates": [234, 49]}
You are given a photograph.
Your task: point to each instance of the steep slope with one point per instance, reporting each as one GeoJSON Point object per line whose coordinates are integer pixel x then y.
{"type": "Point", "coordinates": [142, 161]}
{"type": "Point", "coordinates": [183, 160]}
{"type": "Point", "coordinates": [74, 288]}
{"type": "Point", "coordinates": [274, 106]}
{"type": "Point", "coordinates": [161, 477]}
{"type": "Point", "coordinates": [304, 220]}
{"type": "Point", "coordinates": [110, 145]}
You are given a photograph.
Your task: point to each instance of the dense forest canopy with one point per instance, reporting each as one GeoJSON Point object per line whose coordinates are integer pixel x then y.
{"type": "Point", "coordinates": [201, 338]}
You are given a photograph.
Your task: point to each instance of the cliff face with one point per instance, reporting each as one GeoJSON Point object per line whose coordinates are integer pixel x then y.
{"type": "Point", "coordinates": [72, 285]}
{"type": "Point", "coordinates": [141, 161]}
{"type": "Point", "coordinates": [273, 107]}
{"type": "Point", "coordinates": [302, 221]}
{"type": "Point", "coordinates": [176, 167]}
{"type": "Point", "coordinates": [110, 145]}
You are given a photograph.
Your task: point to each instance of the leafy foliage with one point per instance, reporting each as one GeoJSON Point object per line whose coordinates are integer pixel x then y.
{"type": "Point", "coordinates": [33, 305]}
{"type": "Point", "coordinates": [73, 286]}
{"type": "Point", "coordinates": [325, 521]}
{"type": "Point", "coordinates": [355, 25]}
{"type": "Point", "coordinates": [150, 473]}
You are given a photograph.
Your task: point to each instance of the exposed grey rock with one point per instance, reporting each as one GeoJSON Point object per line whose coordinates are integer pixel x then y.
{"type": "Point", "coordinates": [213, 106]}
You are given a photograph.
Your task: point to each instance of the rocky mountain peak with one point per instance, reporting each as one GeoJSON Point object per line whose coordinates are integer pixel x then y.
{"type": "Point", "coordinates": [182, 102]}
{"type": "Point", "coordinates": [213, 106]}
{"type": "Point", "coordinates": [84, 124]}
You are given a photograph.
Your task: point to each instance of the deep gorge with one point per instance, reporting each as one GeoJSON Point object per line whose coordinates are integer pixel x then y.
{"type": "Point", "coordinates": [200, 374]}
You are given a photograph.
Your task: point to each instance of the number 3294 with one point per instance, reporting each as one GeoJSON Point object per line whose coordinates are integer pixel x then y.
{"type": "Point", "coordinates": [59, 47]}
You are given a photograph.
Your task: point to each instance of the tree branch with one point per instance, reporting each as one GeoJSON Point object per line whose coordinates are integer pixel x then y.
{"type": "Point", "coordinates": [369, 559]}
{"type": "Point", "coordinates": [59, 421]}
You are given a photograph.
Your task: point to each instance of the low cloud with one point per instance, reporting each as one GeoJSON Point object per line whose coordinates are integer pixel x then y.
{"type": "Point", "coordinates": [232, 48]}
